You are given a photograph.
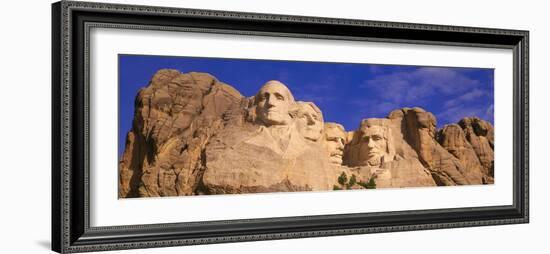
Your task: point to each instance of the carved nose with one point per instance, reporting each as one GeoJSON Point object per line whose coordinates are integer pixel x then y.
{"type": "Point", "coordinates": [310, 121]}
{"type": "Point", "coordinates": [370, 144]}
{"type": "Point", "coordinates": [269, 102]}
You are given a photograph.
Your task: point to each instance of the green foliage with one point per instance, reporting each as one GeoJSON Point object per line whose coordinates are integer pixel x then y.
{"type": "Point", "coordinates": [343, 179]}
{"type": "Point", "coordinates": [347, 184]}
{"type": "Point", "coordinates": [352, 180]}
{"type": "Point", "coordinates": [371, 184]}
{"type": "Point", "coordinates": [362, 184]}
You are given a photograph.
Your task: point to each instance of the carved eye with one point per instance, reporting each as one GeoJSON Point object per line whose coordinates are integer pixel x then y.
{"type": "Point", "coordinates": [279, 97]}
{"type": "Point", "coordinates": [335, 139]}
{"type": "Point", "coordinates": [263, 97]}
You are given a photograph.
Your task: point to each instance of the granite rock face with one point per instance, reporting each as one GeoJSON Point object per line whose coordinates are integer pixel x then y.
{"type": "Point", "coordinates": [194, 135]}
{"type": "Point", "coordinates": [481, 135]}
{"type": "Point", "coordinates": [420, 132]}
{"type": "Point", "coordinates": [453, 139]}
{"type": "Point", "coordinates": [174, 117]}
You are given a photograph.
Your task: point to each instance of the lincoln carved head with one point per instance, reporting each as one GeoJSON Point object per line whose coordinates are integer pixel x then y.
{"type": "Point", "coordinates": [375, 145]}
{"type": "Point", "coordinates": [308, 119]}
{"type": "Point", "coordinates": [273, 103]}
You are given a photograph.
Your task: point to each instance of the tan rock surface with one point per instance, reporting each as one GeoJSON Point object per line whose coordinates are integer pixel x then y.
{"type": "Point", "coordinates": [481, 135]}
{"type": "Point", "coordinates": [173, 119]}
{"type": "Point", "coordinates": [251, 166]}
{"type": "Point", "coordinates": [453, 139]}
{"type": "Point", "coordinates": [419, 131]}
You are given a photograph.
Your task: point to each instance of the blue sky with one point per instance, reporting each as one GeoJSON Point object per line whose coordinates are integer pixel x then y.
{"type": "Point", "coordinates": [345, 92]}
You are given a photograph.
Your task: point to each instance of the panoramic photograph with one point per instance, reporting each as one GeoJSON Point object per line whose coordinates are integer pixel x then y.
{"type": "Point", "coordinates": [203, 126]}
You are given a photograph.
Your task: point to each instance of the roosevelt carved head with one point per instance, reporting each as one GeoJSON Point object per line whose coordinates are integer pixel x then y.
{"type": "Point", "coordinates": [309, 120]}
{"type": "Point", "coordinates": [335, 140]}
{"type": "Point", "coordinates": [273, 103]}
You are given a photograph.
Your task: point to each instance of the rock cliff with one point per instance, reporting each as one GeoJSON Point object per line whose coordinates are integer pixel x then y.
{"type": "Point", "coordinates": [193, 135]}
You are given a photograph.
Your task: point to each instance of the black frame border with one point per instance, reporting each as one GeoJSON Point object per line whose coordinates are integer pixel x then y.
{"type": "Point", "coordinates": [71, 22]}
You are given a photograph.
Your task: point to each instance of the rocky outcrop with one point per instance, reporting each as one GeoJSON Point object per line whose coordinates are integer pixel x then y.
{"type": "Point", "coordinates": [481, 135]}
{"type": "Point", "coordinates": [193, 135]}
{"type": "Point", "coordinates": [174, 117]}
{"type": "Point", "coordinates": [452, 138]}
{"type": "Point", "coordinates": [419, 130]}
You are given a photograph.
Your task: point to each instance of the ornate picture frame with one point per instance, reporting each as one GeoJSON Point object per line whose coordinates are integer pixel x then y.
{"type": "Point", "coordinates": [72, 200]}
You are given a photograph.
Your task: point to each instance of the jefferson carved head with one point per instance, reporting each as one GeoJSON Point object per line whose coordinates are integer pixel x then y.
{"type": "Point", "coordinates": [375, 145]}
{"type": "Point", "coordinates": [273, 103]}
{"type": "Point", "coordinates": [335, 137]}
{"type": "Point", "coordinates": [308, 119]}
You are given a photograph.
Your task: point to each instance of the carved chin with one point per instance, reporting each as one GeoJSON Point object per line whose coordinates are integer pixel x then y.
{"type": "Point", "coordinates": [274, 119]}
{"type": "Point", "coordinates": [312, 135]}
{"type": "Point", "coordinates": [375, 160]}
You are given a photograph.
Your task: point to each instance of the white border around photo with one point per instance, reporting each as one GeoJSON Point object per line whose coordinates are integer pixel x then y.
{"type": "Point", "coordinates": [107, 210]}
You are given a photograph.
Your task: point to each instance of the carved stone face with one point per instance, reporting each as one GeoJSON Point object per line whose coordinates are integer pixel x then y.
{"type": "Point", "coordinates": [272, 104]}
{"type": "Point", "coordinates": [186, 106]}
{"type": "Point", "coordinates": [374, 145]}
{"type": "Point", "coordinates": [335, 140]}
{"type": "Point", "coordinates": [309, 121]}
